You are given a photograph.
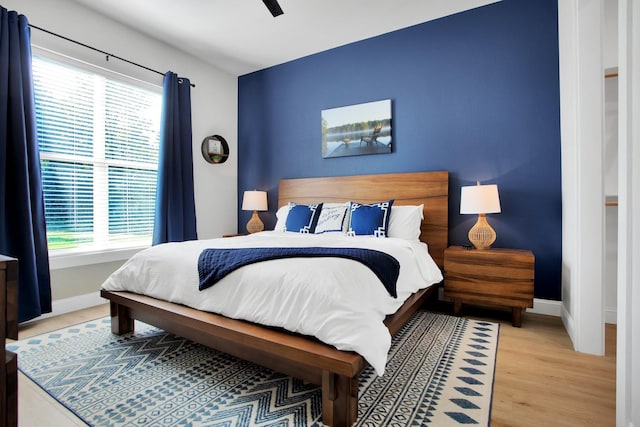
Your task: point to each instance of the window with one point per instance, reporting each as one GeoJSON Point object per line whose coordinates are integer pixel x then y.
{"type": "Point", "coordinates": [99, 140]}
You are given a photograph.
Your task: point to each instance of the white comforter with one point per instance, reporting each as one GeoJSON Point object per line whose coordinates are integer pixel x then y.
{"type": "Point", "coordinates": [339, 301]}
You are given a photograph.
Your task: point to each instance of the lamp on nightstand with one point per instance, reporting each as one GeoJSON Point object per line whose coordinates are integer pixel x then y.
{"type": "Point", "coordinates": [481, 200]}
{"type": "Point", "coordinates": [254, 201]}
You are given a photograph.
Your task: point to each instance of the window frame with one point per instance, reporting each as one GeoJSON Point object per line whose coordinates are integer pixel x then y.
{"type": "Point", "coordinates": [74, 257]}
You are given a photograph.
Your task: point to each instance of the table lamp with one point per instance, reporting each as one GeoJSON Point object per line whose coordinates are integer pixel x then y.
{"type": "Point", "coordinates": [481, 200]}
{"type": "Point", "coordinates": [254, 201]}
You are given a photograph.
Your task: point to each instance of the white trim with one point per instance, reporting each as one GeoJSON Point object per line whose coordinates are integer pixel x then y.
{"type": "Point", "coordinates": [581, 119]}
{"type": "Point", "coordinates": [628, 331]}
{"type": "Point", "coordinates": [546, 306]}
{"type": "Point", "coordinates": [59, 261]}
{"type": "Point", "coordinates": [67, 305]}
{"type": "Point", "coordinates": [568, 321]}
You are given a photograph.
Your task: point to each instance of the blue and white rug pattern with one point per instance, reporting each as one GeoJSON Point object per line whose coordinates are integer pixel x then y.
{"type": "Point", "coordinates": [440, 373]}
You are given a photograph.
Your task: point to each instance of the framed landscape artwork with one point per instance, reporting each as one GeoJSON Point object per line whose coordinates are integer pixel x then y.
{"type": "Point", "coordinates": [357, 129]}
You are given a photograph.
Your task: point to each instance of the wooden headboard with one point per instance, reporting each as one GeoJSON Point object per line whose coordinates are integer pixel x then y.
{"type": "Point", "coordinates": [428, 188]}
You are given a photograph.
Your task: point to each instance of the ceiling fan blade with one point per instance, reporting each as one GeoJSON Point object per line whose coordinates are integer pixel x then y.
{"type": "Point", "coordinates": [273, 7]}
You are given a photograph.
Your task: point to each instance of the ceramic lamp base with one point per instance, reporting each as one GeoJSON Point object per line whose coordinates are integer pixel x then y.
{"type": "Point", "coordinates": [255, 225]}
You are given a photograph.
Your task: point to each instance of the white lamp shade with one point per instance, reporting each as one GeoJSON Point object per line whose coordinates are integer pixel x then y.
{"type": "Point", "coordinates": [479, 199]}
{"type": "Point", "coordinates": [254, 201]}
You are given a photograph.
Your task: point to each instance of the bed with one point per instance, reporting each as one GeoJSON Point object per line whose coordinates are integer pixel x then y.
{"type": "Point", "coordinates": [298, 355]}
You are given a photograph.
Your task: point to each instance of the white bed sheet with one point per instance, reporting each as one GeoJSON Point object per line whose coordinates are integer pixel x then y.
{"type": "Point", "coordinates": [339, 301]}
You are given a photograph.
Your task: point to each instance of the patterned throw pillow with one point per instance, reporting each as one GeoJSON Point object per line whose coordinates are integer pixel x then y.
{"type": "Point", "coordinates": [302, 218]}
{"type": "Point", "coordinates": [370, 220]}
{"type": "Point", "coordinates": [332, 218]}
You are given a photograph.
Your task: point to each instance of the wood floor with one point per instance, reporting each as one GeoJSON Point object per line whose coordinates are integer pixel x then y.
{"type": "Point", "coordinates": [540, 380]}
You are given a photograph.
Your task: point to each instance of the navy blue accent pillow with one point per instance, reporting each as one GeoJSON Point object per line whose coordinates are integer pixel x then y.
{"type": "Point", "coordinates": [370, 220]}
{"type": "Point", "coordinates": [303, 218]}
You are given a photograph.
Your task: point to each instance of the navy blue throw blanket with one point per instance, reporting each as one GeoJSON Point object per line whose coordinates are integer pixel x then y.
{"type": "Point", "coordinates": [214, 264]}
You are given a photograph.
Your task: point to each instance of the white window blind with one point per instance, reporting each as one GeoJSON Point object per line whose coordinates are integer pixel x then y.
{"type": "Point", "coordinates": [99, 140]}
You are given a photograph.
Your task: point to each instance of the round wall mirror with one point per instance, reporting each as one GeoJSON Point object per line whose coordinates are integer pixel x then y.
{"type": "Point", "coordinates": [215, 149]}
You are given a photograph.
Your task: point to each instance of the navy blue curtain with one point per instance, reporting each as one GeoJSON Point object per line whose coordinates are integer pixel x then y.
{"type": "Point", "coordinates": [23, 233]}
{"type": "Point", "coordinates": [175, 214]}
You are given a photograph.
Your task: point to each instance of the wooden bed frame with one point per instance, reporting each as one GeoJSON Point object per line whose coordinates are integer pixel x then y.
{"type": "Point", "coordinates": [293, 354]}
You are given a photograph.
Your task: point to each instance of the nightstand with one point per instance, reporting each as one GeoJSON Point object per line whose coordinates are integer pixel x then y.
{"type": "Point", "coordinates": [234, 235]}
{"type": "Point", "coordinates": [499, 277]}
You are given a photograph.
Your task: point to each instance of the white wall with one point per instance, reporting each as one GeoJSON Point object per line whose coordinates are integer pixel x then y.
{"type": "Point", "coordinates": [610, 158]}
{"type": "Point", "coordinates": [611, 264]}
{"type": "Point", "coordinates": [610, 154]}
{"type": "Point", "coordinates": [610, 42]}
{"type": "Point", "coordinates": [214, 111]}
{"type": "Point", "coordinates": [610, 166]}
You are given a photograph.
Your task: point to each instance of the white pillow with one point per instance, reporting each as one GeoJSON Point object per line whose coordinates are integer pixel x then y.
{"type": "Point", "coordinates": [405, 222]}
{"type": "Point", "coordinates": [332, 218]}
{"type": "Point", "coordinates": [281, 218]}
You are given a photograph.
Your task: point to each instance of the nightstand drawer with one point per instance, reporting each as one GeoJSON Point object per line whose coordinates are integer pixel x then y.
{"type": "Point", "coordinates": [512, 293]}
{"type": "Point", "coordinates": [508, 264]}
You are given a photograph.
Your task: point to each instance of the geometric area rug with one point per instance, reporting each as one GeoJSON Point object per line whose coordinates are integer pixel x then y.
{"type": "Point", "coordinates": [439, 372]}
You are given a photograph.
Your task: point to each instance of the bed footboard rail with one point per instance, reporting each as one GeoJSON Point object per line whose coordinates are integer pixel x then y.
{"type": "Point", "coordinates": [299, 356]}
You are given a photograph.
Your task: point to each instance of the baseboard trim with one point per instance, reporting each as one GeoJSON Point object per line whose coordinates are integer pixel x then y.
{"type": "Point", "coordinates": [554, 308]}
{"type": "Point", "coordinates": [67, 305]}
{"type": "Point", "coordinates": [611, 315]}
{"type": "Point", "coordinates": [546, 306]}
{"type": "Point", "coordinates": [569, 326]}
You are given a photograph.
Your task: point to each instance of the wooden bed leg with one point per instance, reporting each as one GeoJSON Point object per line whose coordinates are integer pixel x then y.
{"type": "Point", "coordinates": [457, 307]}
{"type": "Point", "coordinates": [339, 400]}
{"type": "Point", "coordinates": [121, 321]}
{"type": "Point", "coordinates": [516, 316]}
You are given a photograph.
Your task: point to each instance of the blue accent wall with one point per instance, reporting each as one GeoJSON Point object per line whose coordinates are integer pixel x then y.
{"type": "Point", "coordinates": [476, 94]}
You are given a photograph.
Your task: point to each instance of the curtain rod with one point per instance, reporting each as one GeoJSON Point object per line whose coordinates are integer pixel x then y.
{"type": "Point", "coordinates": [98, 50]}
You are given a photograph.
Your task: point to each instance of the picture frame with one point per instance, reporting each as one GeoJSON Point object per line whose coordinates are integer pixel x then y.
{"type": "Point", "coordinates": [358, 129]}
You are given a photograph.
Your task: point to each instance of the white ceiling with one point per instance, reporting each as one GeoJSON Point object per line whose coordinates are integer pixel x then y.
{"type": "Point", "coordinates": [241, 36]}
